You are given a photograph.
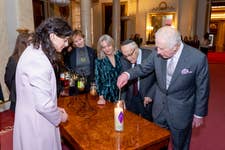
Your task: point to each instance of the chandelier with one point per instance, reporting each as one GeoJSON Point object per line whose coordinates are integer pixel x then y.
{"type": "Point", "coordinates": [60, 2]}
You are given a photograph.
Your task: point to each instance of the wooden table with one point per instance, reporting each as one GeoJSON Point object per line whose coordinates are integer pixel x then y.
{"type": "Point", "coordinates": [91, 127]}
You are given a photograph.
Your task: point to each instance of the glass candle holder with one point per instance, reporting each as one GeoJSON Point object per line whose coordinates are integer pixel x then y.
{"type": "Point", "coordinates": [81, 83]}
{"type": "Point", "coordinates": [93, 89]}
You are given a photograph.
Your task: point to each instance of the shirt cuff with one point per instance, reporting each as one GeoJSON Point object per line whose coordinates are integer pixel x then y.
{"type": "Point", "coordinates": [127, 75]}
{"type": "Point", "coordinates": [196, 116]}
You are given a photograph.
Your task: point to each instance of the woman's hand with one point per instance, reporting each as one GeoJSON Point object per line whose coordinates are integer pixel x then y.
{"type": "Point", "coordinates": [101, 100]}
{"type": "Point", "coordinates": [64, 115]}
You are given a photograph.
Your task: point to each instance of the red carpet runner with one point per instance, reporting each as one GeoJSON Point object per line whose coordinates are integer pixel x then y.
{"type": "Point", "coordinates": [211, 135]}
{"type": "Point", "coordinates": [216, 57]}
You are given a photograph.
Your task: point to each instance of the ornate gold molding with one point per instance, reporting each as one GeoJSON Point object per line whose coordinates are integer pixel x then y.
{"type": "Point", "coordinates": [163, 7]}
{"type": "Point", "coordinates": [22, 30]}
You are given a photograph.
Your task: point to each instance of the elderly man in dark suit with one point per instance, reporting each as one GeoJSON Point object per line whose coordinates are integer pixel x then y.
{"type": "Point", "coordinates": [182, 89]}
{"type": "Point", "coordinates": [137, 93]}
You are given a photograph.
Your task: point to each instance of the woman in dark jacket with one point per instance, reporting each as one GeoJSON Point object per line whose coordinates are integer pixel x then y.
{"type": "Point", "coordinates": [82, 59]}
{"type": "Point", "coordinates": [21, 44]}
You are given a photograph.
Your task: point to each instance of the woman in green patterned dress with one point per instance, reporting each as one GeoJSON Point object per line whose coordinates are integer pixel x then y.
{"type": "Point", "coordinates": [107, 69]}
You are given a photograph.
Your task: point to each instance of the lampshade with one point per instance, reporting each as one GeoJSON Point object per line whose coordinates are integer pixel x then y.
{"type": "Point", "coordinates": [60, 2]}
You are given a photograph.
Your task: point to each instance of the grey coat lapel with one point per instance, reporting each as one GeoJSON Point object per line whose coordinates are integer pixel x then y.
{"type": "Point", "coordinates": [180, 65]}
{"type": "Point", "coordinates": [160, 68]}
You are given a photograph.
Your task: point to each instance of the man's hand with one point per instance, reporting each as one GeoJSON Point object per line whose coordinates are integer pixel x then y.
{"type": "Point", "coordinates": [197, 122]}
{"type": "Point", "coordinates": [147, 100]}
{"type": "Point", "coordinates": [122, 80]}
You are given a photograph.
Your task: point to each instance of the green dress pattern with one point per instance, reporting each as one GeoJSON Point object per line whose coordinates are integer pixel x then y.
{"type": "Point", "coordinates": [106, 77]}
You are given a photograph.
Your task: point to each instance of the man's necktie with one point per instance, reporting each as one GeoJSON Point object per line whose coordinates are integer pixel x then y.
{"type": "Point", "coordinates": [171, 67]}
{"type": "Point", "coordinates": [170, 70]}
{"type": "Point", "coordinates": [135, 85]}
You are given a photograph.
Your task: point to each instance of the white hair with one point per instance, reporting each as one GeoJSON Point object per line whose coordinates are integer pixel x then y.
{"type": "Point", "coordinates": [169, 35]}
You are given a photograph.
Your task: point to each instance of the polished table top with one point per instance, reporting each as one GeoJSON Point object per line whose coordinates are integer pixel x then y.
{"type": "Point", "coordinates": [91, 126]}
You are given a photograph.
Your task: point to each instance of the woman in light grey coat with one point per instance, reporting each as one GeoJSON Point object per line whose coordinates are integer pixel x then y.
{"type": "Point", "coordinates": [37, 116]}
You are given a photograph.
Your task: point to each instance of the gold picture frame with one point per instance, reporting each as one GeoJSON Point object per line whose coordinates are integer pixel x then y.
{"type": "Point", "coordinates": [154, 21]}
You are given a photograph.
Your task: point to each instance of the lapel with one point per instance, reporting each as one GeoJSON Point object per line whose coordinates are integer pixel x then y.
{"type": "Point", "coordinates": [160, 68]}
{"type": "Point", "coordinates": [143, 57]}
{"type": "Point", "coordinates": [89, 54]}
{"type": "Point", "coordinates": [180, 65]}
{"type": "Point", "coordinates": [128, 65]}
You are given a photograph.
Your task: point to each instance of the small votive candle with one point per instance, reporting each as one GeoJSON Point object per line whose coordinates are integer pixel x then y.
{"type": "Point", "coordinates": [119, 116]}
{"type": "Point", "coordinates": [80, 85]}
{"type": "Point", "coordinates": [93, 91]}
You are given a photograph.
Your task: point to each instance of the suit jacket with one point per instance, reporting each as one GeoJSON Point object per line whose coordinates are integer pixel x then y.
{"type": "Point", "coordinates": [37, 116]}
{"type": "Point", "coordinates": [188, 92]}
{"type": "Point", "coordinates": [146, 82]}
{"type": "Point", "coordinates": [10, 72]}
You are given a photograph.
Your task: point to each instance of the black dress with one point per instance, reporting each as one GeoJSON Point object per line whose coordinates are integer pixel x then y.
{"type": "Point", "coordinates": [1, 94]}
{"type": "Point", "coordinates": [10, 82]}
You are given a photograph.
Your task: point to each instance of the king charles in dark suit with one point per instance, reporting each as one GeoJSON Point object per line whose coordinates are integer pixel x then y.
{"type": "Point", "coordinates": [138, 102]}
{"type": "Point", "coordinates": [182, 86]}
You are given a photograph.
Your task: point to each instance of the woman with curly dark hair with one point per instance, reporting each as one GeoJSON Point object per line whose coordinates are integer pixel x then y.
{"type": "Point", "coordinates": [37, 116]}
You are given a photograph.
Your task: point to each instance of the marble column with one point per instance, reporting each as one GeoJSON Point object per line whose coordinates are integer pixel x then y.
{"type": "Point", "coordinates": [85, 11]}
{"type": "Point", "coordinates": [116, 23]}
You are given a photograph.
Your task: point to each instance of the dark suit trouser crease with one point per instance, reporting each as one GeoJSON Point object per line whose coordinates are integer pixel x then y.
{"type": "Point", "coordinates": [136, 106]}
{"type": "Point", "coordinates": [180, 137]}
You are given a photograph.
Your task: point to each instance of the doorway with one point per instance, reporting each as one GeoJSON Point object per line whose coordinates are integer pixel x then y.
{"type": "Point", "coordinates": [38, 12]}
{"type": "Point", "coordinates": [107, 20]}
{"type": "Point", "coordinates": [217, 25]}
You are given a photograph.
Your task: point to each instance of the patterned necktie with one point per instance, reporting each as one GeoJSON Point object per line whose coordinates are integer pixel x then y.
{"type": "Point", "coordinates": [135, 85]}
{"type": "Point", "coordinates": [170, 70]}
{"type": "Point", "coordinates": [171, 67]}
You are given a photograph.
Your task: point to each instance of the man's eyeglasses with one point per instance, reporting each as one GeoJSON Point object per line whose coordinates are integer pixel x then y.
{"type": "Point", "coordinates": [130, 54]}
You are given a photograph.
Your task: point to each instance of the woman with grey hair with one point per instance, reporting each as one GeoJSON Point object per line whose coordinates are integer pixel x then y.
{"type": "Point", "coordinates": [107, 69]}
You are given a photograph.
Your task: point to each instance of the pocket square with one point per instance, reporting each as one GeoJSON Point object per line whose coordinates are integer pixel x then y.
{"type": "Point", "coordinates": [185, 71]}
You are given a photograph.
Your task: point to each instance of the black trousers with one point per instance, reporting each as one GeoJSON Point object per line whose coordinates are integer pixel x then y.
{"type": "Point", "coordinates": [136, 105]}
{"type": "Point", "coordinates": [180, 137]}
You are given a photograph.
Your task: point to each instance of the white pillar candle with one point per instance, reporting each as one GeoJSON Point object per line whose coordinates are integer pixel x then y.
{"type": "Point", "coordinates": [118, 118]}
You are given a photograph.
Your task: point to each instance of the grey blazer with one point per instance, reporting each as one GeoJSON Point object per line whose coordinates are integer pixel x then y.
{"type": "Point", "coordinates": [188, 92]}
{"type": "Point", "coordinates": [146, 87]}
